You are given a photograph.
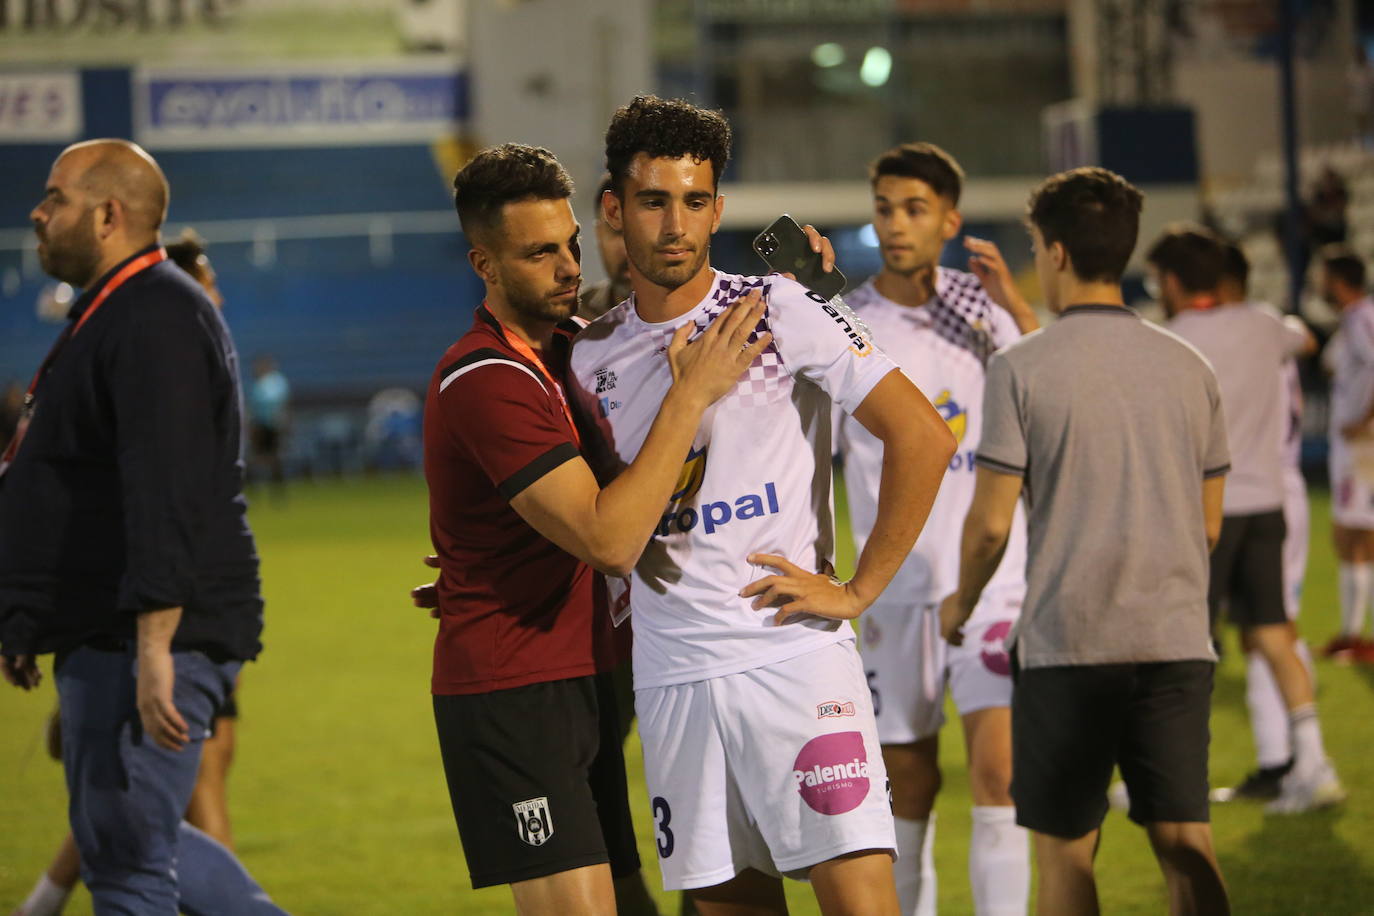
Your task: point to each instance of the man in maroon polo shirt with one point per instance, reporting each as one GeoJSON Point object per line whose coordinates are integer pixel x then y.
{"type": "Point", "coordinates": [522, 697]}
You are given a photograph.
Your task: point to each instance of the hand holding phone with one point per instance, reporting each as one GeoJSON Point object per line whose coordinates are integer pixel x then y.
{"type": "Point", "coordinates": [785, 248]}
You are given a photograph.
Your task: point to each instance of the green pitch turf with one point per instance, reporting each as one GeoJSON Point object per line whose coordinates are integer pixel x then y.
{"type": "Point", "coordinates": [340, 807]}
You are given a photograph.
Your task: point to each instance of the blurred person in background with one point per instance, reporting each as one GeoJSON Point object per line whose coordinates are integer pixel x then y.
{"type": "Point", "coordinates": [1351, 356]}
{"type": "Point", "coordinates": [1268, 712]}
{"type": "Point", "coordinates": [940, 326]}
{"type": "Point", "coordinates": [1248, 346]}
{"type": "Point", "coordinates": [209, 807]}
{"type": "Point", "coordinates": [188, 253]}
{"type": "Point", "coordinates": [11, 409]}
{"type": "Point", "coordinates": [599, 298]}
{"type": "Point", "coordinates": [269, 414]}
{"type": "Point", "coordinates": [150, 638]}
{"type": "Point", "coordinates": [1113, 430]}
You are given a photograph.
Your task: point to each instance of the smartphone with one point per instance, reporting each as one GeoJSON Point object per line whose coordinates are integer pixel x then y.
{"type": "Point", "coordinates": [784, 247]}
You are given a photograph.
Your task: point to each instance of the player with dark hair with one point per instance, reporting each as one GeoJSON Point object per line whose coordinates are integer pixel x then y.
{"type": "Point", "coordinates": [1268, 713]}
{"type": "Point", "coordinates": [1248, 345]}
{"type": "Point", "coordinates": [761, 755]}
{"type": "Point", "coordinates": [939, 325]}
{"type": "Point", "coordinates": [523, 701]}
{"type": "Point", "coordinates": [1350, 354]}
{"type": "Point", "coordinates": [1108, 424]}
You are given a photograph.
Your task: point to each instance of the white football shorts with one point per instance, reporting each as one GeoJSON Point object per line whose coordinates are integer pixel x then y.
{"type": "Point", "coordinates": [776, 769]}
{"type": "Point", "coordinates": [1297, 521]}
{"type": "Point", "coordinates": [1352, 492]}
{"type": "Point", "coordinates": [907, 664]}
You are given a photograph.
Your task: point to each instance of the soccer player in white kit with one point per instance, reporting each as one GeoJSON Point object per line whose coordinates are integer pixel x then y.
{"type": "Point", "coordinates": [1268, 714]}
{"type": "Point", "coordinates": [761, 755]}
{"type": "Point", "coordinates": [1352, 445]}
{"type": "Point", "coordinates": [940, 326]}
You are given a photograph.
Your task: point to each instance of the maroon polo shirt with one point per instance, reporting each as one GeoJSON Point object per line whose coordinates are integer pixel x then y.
{"type": "Point", "coordinates": [514, 608]}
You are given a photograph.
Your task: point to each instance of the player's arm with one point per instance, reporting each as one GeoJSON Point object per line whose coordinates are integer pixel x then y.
{"type": "Point", "coordinates": [987, 264]}
{"type": "Point", "coordinates": [986, 530]}
{"type": "Point", "coordinates": [609, 527]}
{"type": "Point", "coordinates": [1213, 489]}
{"type": "Point", "coordinates": [917, 447]}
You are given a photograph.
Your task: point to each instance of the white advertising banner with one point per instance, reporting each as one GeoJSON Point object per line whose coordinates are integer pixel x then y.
{"type": "Point", "coordinates": [40, 107]}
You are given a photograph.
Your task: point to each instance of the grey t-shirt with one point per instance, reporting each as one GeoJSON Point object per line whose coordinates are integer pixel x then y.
{"type": "Point", "coordinates": [1248, 345]}
{"type": "Point", "coordinates": [1113, 423]}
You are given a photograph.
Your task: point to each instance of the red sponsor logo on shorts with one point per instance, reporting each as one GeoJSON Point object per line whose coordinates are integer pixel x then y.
{"type": "Point", "coordinates": [834, 709]}
{"type": "Point", "coordinates": [993, 651]}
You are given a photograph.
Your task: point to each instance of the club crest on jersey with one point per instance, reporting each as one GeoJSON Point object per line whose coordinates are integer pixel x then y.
{"type": "Point", "coordinates": [533, 820]}
{"type": "Point", "coordinates": [689, 480]}
{"type": "Point", "coordinates": [605, 380]}
{"type": "Point", "coordinates": [834, 709]}
{"type": "Point", "coordinates": [955, 416]}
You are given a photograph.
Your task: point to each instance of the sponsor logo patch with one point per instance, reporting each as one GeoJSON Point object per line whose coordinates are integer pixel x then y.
{"type": "Point", "coordinates": [831, 772]}
{"type": "Point", "coordinates": [534, 820]}
{"type": "Point", "coordinates": [993, 651]}
{"type": "Point", "coordinates": [835, 709]}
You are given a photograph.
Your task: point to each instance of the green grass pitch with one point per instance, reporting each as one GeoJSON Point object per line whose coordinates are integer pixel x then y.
{"type": "Point", "coordinates": [340, 807]}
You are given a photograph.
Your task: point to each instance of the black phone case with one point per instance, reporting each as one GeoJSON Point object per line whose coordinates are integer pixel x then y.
{"type": "Point", "coordinates": [784, 248]}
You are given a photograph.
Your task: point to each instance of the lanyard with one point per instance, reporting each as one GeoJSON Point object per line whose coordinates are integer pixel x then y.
{"type": "Point", "coordinates": [517, 344]}
{"type": "Point", "coordinates": [140, 263]}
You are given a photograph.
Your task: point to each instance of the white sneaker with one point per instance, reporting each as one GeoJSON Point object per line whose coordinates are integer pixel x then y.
{"type": "Point", "coordinates": [1301, 792]}
{"type": "Point", "coordinates": [1118, 798]}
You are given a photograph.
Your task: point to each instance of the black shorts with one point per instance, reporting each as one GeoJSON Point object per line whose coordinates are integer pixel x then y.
{"type": "Point", "coordinates": [537, 779]}
{"type": "Point", "coordinates": [1070, 725]}
{"type": "Point", "coordinates": [1247, 570]}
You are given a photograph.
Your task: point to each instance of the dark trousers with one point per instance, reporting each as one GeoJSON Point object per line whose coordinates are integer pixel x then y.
{"type": "Point", "coordinates": [127, 795]}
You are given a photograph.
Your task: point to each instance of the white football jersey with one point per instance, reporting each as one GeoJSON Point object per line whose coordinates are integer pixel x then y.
{"type": "Point", "coordinates": [943, 347]}
{"type": "Point", "coordinates": [1291, 392]}
{"type": "Point", "coordinates": [757, 480]}
{"type": "Point", "coordinates": [1352, 362]}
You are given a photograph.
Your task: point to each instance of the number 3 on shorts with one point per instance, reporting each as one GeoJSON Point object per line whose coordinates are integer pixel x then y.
{"type": "Point", "coordinates": [663, 815]}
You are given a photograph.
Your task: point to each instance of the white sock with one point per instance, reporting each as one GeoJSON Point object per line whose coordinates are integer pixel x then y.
{"type": "Point", "coordinates": [48, 898]}
{"type": "Point", "coordinates": [999, 862]}
{"type": "Point", "coordinates": [1308, 750]}
{"type": "Point", "coordinates": [908, 869]}
{"type": "Point", "coordinates": [925, 903]}
{"type": "Point", "coordinates": [1356, 589]}
{"type": "Point", "coordinates": [1268, 715]}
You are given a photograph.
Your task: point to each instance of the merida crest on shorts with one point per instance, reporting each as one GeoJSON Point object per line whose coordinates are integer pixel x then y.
{"type": "Point", "coordinates": [757, 479]}
{"type": "Point", "coordinates": [943, 347]}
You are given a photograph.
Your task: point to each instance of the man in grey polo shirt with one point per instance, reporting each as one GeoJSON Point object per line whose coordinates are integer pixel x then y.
{"type": "Point", "coordinates": [1113, 429]}
{"type": "Point", "coordinates": [1248, 346]}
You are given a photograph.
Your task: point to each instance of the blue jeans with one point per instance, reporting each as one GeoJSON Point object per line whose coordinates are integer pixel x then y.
{"type": "Point", "coordinates": [127, 795]}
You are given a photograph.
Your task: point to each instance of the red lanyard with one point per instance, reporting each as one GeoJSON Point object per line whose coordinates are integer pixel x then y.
{"type": "Point", "coordinates": [516, 343]}
{"type": "Point", "coordinates": [142, 262]}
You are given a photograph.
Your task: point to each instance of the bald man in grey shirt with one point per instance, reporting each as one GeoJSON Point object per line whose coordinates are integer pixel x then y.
{"type": "Point", "coordinates": [1113, 430]}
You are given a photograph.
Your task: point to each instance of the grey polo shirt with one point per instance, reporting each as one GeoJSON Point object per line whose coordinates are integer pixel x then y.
{"type": "Point", "coordinates": [1248, 345]}
{"type": "Point", "coordinates": [1113, 423]}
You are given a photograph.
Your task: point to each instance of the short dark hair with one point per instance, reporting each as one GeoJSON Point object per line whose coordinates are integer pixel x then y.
{"type": "Point", "coordinates": [187, 251]}
{"type": "Point", "coordinates": [500, 175]}
{"type": "Point", "coordinates": [1094, 214]}
{"type": "Point", "coordinates": [1343, 264]}
{"type": "Point", "coordinates": [665, 128]}
{"type": "Point", "coordinates": [925, 162]}
{"type": "Point", "coordinates": [1192, 253]}
{"type": "Point", "coordinates": [1236, 265]}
